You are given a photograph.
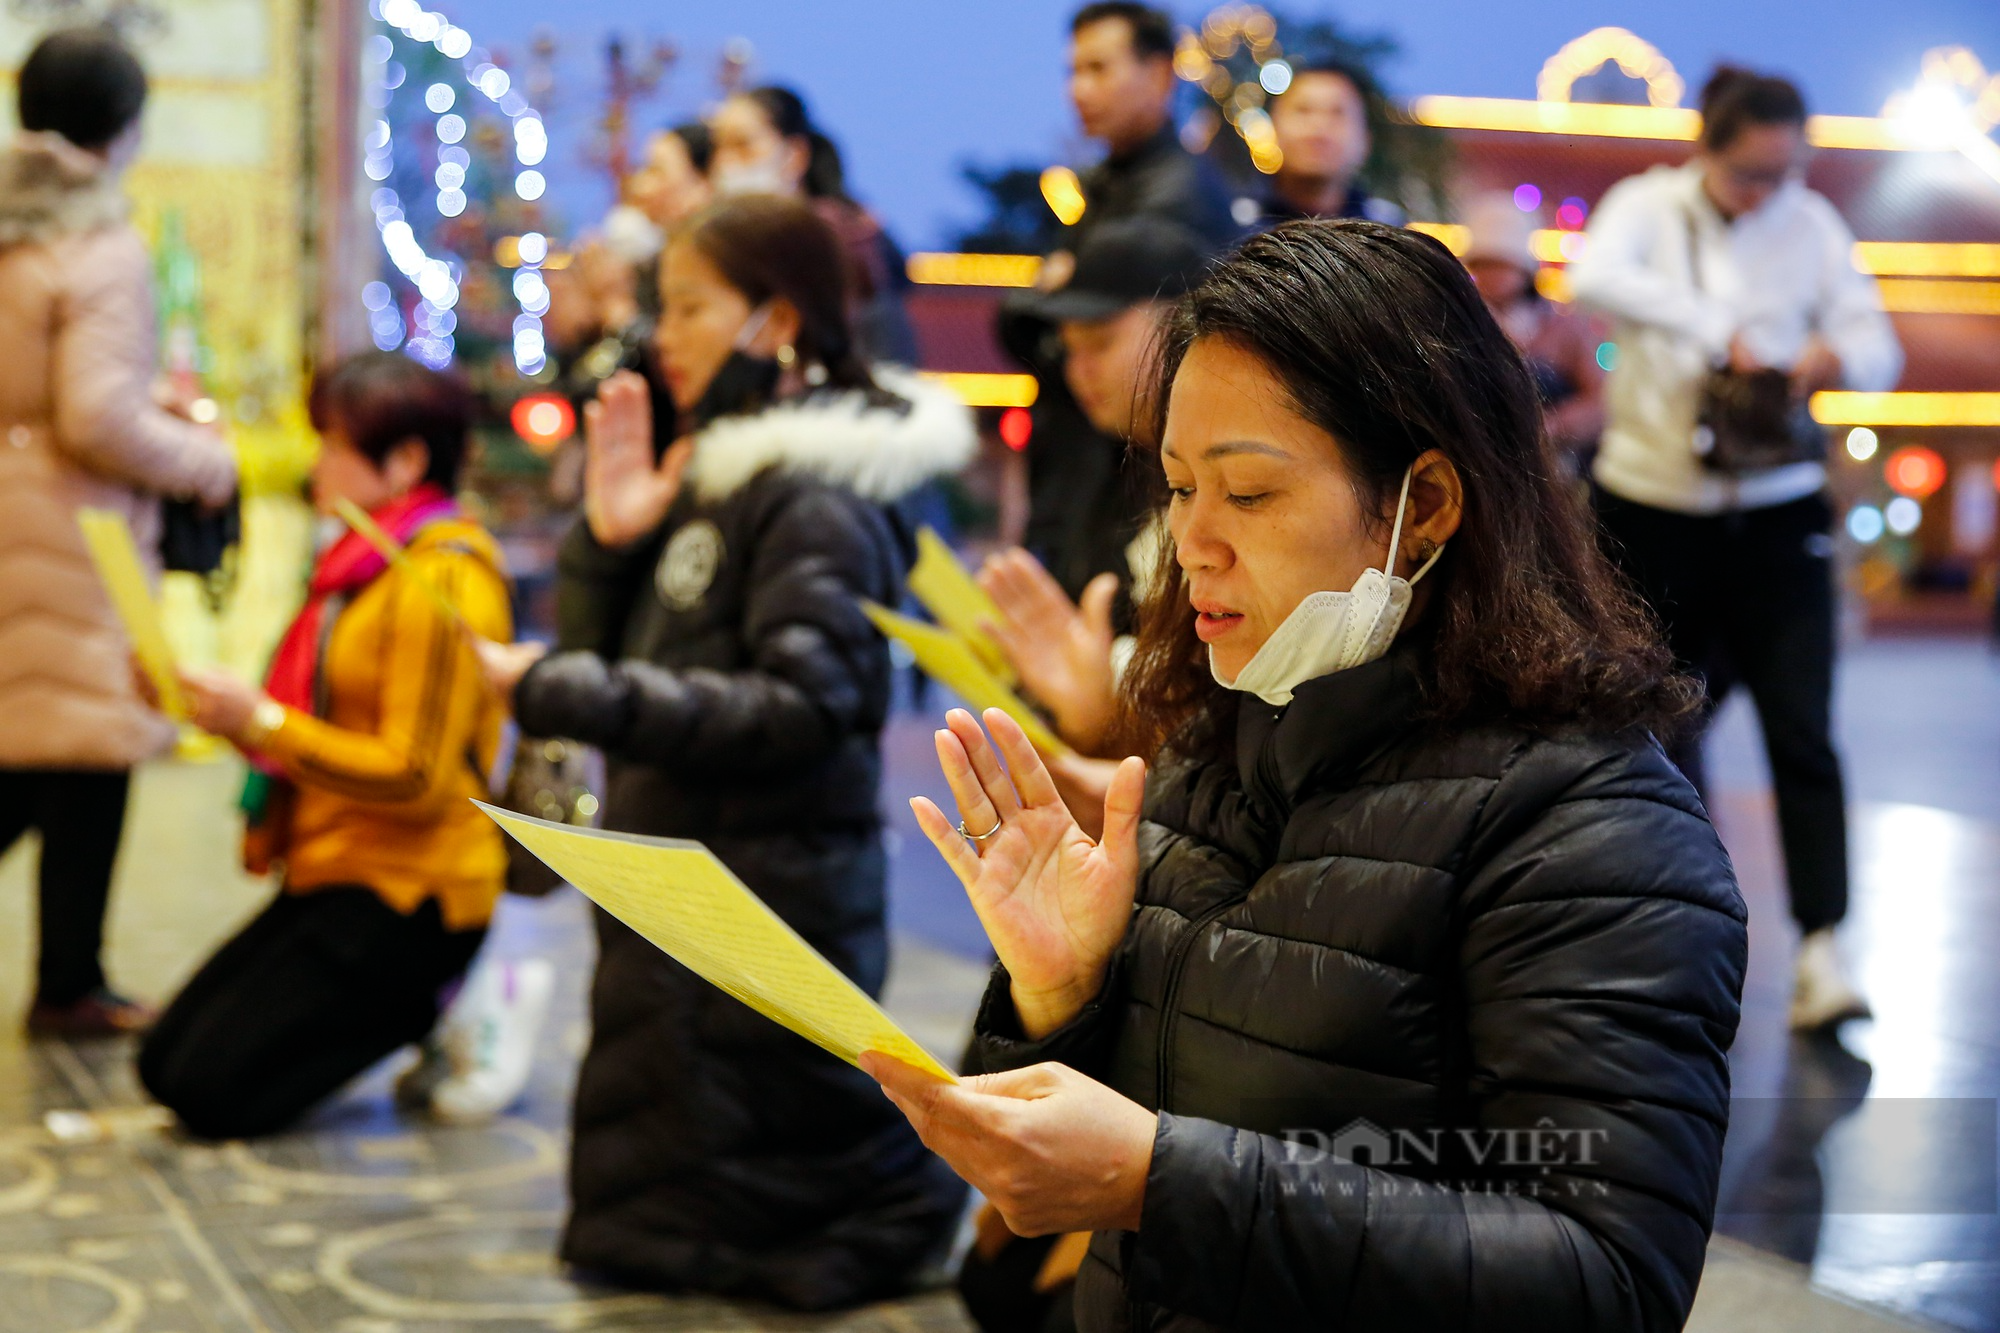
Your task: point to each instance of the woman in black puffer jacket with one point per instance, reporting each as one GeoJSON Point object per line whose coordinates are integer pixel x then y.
{"type": "Point", "coordinates": [1399, 994]}
{"type": "Point", "coordinates": [722, 662]}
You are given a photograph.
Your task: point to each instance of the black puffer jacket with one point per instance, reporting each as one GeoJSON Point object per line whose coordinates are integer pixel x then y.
{"type": "Point", "coordinates": [1365, 941]}
{"type": "Point", "coordinates": [738, 692]}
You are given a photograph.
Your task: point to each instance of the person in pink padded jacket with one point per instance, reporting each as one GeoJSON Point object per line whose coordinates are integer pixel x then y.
{"type": "Point", "coordinates": [79, 425]}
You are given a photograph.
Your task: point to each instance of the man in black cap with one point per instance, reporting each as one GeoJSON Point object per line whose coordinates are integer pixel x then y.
{"type": "Point", "coordinates": [1088, 544]}
{"type": "Point", "coordinates": [1085, 503]}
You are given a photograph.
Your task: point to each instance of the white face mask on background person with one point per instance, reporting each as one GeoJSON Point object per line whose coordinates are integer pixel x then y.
{"type": "Point", "coordinates": [766, 176]}
{"type": "Point", "coordinates": [1332, 631]}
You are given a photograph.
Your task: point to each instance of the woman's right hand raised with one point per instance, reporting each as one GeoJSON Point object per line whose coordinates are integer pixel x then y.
{"type": "Point", "coordinates": [625, 494]}
{"type": "Point", "coordinates": [1055, 903]}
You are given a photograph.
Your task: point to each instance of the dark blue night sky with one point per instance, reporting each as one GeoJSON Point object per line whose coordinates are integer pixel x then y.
{"type": "Point", "coordinates": [912, 87]}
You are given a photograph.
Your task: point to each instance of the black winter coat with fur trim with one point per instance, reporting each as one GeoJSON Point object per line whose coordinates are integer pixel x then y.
{"type": "Point", "coordinates": [1436, 1022]}
{"type": "Point", "coordinates": [726, 670]}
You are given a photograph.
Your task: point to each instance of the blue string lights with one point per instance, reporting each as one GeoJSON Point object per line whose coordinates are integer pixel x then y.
{"type": "Point", "coordinates": [427, 333]}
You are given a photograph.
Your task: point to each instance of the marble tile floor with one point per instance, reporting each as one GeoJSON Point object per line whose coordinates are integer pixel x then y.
{"type": "Point", "coordinates": [1870, 1159]}
{"type": "Point", "coordinates": [365, 1222]}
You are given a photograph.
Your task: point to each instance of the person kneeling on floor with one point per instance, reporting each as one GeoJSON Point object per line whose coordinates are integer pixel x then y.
{"type": "Point", "coordinates": [372, 729]}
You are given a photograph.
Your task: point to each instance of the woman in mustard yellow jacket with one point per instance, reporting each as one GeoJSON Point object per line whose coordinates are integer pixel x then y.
{"type": "Point", "coordinates": [372, 729]}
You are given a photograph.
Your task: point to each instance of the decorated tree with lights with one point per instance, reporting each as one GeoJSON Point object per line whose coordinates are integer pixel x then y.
{"type": "Point", "coordinates": [1241, 56]}
{"type": "Point", "coordinates": [454, 152]}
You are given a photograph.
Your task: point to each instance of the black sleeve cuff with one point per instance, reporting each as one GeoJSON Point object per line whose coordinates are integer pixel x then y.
{"type": "Point", "coordinates": [1187, 1254]}
{"type": "Point", "coordinates": [572, 695]}
{"type": "Point", "coordinates": [998, 1043]}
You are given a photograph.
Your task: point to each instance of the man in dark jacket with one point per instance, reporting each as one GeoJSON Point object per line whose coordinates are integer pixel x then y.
{"type": "Point", "coordinates": [1321, 124]}
{"type": "Point", "coordinates": [1122, 85]}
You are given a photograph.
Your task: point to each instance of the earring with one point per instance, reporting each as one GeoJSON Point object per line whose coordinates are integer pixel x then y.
{"type": "Point", "coordinates": [1426, 549]}
{"type": "Point", "coordinates": [787, 357]}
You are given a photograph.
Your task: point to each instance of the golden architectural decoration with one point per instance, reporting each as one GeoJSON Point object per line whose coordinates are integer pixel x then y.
{"type": "Point", "coordinates": [1634, 55]}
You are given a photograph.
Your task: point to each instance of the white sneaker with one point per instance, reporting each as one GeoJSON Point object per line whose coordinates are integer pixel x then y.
{"type": "Point", "coordinates": [1821, 993]}
{"type": "Point", "coordinates": [491, 1035]}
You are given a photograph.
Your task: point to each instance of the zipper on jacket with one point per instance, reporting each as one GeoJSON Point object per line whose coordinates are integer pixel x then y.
{"type": "Point", "coordinates": [1137, 1316]}
{"type": "Point", "coordinates": [1176, 964]}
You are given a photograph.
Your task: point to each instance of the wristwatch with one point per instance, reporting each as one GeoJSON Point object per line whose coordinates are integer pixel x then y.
{"type": "Point", "coordinates": [265, 719]}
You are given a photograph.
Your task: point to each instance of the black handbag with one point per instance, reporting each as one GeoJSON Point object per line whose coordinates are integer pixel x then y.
{"type": "Point", "coordinates": [550, 779]}
{"type": "Point", "coordinates": [1750, 420]}
{"type": "Point", "coordinates": [201, 539]}
{"type": "Point", "coordinates": [196, 538]}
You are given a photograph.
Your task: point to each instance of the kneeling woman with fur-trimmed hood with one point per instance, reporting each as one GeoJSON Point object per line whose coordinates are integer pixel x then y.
{"type": "Point", "coordinates": [718, 654]}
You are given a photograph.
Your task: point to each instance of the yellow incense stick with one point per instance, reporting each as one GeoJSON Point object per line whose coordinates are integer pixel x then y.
{"type": "Point", "coordinates": [392, 550]}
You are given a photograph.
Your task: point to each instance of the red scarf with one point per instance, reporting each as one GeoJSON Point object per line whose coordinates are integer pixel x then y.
{"type": "Point", "coordinates": [344, 568]}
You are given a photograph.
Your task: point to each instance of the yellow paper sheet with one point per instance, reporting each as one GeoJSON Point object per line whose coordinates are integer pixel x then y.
{"type": "Point", "coordinates": [109, 539]}
{"type": "Point", "coordinates": [392, 550]}
{"type": "Point", "coordinates": [680, 897]}
{"type": "Point", "coordinates": [949, 660]}
{"type": "Point", "coordinates": [956, 601]}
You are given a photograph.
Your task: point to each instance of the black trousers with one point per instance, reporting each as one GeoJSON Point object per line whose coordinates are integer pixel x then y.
{"type": "Point", "coordinates": [81, 815]}
{"type": "Point", "coordinates": [1748, 598]}
{"type": "Point", "coordinates": [317, 988]}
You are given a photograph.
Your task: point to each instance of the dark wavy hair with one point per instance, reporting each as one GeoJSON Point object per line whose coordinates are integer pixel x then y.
{"type": "Point", "coordinates": [1381, 340]}
{"type": "Point", "coordinates": [767, 246]}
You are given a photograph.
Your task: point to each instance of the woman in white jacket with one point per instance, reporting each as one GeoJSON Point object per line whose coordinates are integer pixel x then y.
{"type": "Point", "coordinates": [1731, 261]}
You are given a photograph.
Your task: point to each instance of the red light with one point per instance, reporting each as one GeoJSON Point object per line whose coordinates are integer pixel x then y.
{"type": "Point", "coordinates": [544, 420]}
{"type": "Point", "coordinates": [1915, 471]}
{"type": "Point", "coordinates": [1570, 217]}
{"type": "Point", "coordinates": [1016, 425]}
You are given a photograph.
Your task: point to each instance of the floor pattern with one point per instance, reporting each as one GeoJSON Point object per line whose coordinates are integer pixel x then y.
{"type": "Point", "coordinates": [362, 1221]}
{"type": "Point", "coordinates": [1856, 1197]}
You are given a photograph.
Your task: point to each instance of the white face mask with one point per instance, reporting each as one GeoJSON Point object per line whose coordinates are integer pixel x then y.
{"type": "Point", "coordinates": [762, 177]}
{"type": "Point", "coordinates": [1332, 631]}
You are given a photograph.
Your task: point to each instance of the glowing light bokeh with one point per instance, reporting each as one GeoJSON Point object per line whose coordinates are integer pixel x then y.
{"type": "Point", "coordinates": [1915, 471]}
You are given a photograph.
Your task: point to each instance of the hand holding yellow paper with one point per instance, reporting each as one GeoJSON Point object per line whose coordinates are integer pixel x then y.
{"type": "Point", "coordinates": [677, 895]}
{"type": "Point", "coordinates": [950, 660]}
{"type": "Point", "coordinates": [392, 550]}
{"type": "Point", "coordinates": [956, 601]}
{"type": "Point", "coordinates": [109, 540]}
